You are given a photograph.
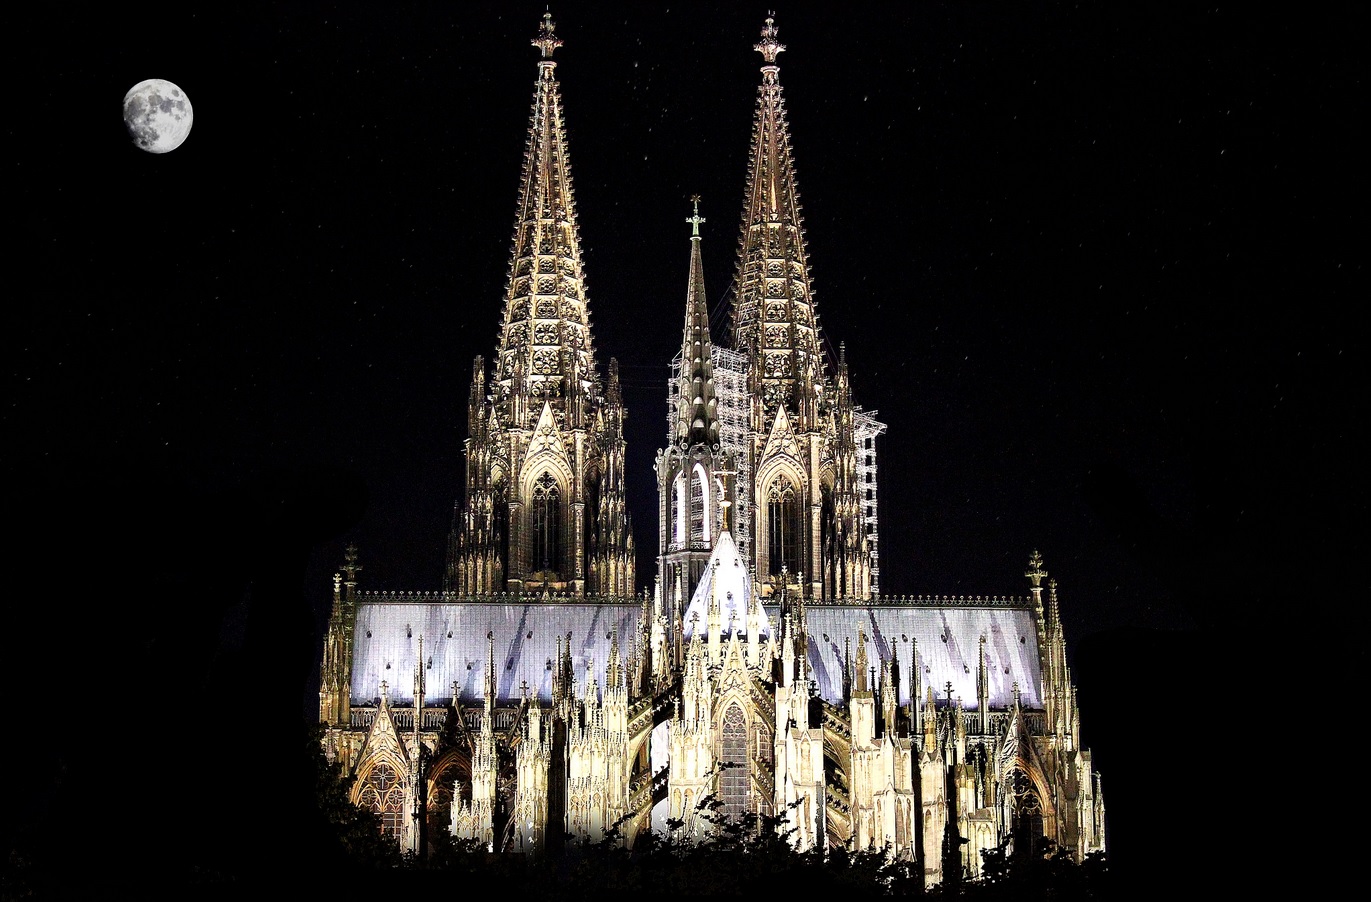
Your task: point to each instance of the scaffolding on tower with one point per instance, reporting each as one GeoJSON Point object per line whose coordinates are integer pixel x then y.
{"type": "Point", "coordinates": [730, 391]}
{"type": "Point", "coordinates": [867, 427]}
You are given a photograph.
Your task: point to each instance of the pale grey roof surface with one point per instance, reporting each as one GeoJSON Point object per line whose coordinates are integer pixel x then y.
{"type": "Point", "coordinates": [525, 644]}
{"type": "Point", "coordinates": [948, 640]}
{"type": "Point", "coordinates": [386, 646]}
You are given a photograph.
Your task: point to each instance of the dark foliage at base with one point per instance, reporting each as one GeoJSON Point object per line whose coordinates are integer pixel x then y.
{"type": "Point", "coordinates": [751, 858]}
{"type": "Point", "coordinates": [323, 843]}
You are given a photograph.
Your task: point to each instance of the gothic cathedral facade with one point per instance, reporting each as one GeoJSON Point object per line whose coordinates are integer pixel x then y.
{"type": "Point", "coordinates": [764, 669]}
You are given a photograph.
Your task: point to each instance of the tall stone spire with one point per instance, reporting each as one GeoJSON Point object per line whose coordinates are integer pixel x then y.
{"type": "Point", "coordinates": [696, 414]}
{"type": "Point", "coordinates": [774, 320]}
{"type": "Point", "coordinates": [544, 505]}
{"type": "Point", "coordinates": [809, 501]}
{"type": "Point", "coordinates": [545, 354]}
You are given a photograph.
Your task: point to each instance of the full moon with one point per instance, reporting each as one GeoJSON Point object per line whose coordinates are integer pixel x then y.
{"type": "Point", "coordinates": [157, 115]}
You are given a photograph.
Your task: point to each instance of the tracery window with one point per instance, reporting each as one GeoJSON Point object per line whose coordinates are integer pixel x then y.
{"type": "Point", "coordinates": [385, 796]}
{"type": "Point", "coordinates": [785, 529]}
{"type": "Point", "coordinates": [733, 777]}
{"type": "Point", "coordinates": [547, 533]}
{"type": "Point", "coordinates": [1028, 814]}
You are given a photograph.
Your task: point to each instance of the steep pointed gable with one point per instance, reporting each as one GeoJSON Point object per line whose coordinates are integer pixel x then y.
{"type": "Point", "coordinates": [547, 437]}
{"type": "Point", "coordinates": [734, 675]}
{"type": "Point", "coordinates": [780, 442]}
{"type": "Point", "coordinates": [547, 450]}
{"type": "Point", "coordinates": [545, 349]}
{"type": "Point", "coordinates": [383, 739]}
{"type": "Point", "coordinates": [726, 578]}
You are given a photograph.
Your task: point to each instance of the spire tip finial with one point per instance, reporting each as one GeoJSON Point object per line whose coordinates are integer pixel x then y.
{"type": "Point", "coordinates": [547, 40]}
{"type": "Point", "coordinates": [768, 46]}
{"type": "Point", "coordinates": [695, 219]}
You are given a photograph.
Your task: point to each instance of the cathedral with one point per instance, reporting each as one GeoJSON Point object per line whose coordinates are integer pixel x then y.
{"type": "Point", "coordinates": [541, 695]}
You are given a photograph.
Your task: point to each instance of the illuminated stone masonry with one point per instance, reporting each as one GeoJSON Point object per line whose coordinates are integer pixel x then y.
{"type": "Point", "coordinates": [537, 696]}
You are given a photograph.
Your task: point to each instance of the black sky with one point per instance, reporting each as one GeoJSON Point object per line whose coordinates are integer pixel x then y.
{"type": "Point", "coordinates": [1095, 265]}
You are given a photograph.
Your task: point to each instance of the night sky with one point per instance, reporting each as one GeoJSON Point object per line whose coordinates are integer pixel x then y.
{"type": "Point", "coordinates": [1093, 264]}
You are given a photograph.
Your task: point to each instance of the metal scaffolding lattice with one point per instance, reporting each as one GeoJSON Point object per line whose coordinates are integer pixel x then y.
{"type": "Point", "coordinates": [867, 427]}
{"type": "Point", "coordinates": [730, 390]}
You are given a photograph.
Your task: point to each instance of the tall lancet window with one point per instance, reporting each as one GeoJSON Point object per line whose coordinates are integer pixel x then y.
{"type": "Point", "coordinates": [733, 778]}
{"type": "Point", "coordinates": [547, 533]}
{"type": "Point", "coordinates": [785, 529]}
{"type": "Point", "coordinates": [1027, 827]}
{"type": "Point", "coordinates": [679, 514]}
{"type": "Point", "coordinates": [500, 519]}
{"type": "Point", "coordinates": [829, 543]}
{"type": "Point", "coordinates": [699, 506]}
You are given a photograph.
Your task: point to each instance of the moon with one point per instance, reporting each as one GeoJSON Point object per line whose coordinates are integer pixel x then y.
{"type": "Point", "coordinates": [157, 115]}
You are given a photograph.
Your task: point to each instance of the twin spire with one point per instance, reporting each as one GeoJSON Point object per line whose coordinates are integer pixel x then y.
{"type": "Point", "coordinates": [774, 319]}
{"type": "Point", "coordinates": [545, 354]}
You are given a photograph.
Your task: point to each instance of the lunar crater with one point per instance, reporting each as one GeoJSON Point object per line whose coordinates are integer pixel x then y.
{"type": "Point", "coordinates": [157, 115]}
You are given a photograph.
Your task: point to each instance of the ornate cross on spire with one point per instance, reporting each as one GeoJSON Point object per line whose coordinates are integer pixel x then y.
{"type": "Point", "coordinates": [547, 40]}
{"type": "Point", "coordinates": [697, 218]}
{"type": "Point", "coordinates": [1035, 572]}
{"type": "Point", "coordinates": [768, 46]}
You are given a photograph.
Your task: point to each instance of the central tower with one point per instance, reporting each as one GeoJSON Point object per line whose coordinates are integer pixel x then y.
{"type": "Point", "coordinates": [695, 472]}
{"type": "Point", "coordinates": [544, 508]}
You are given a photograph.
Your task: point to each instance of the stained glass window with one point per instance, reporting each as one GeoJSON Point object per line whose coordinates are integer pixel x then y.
{"type": "Point", "coordinates": [785, 532]}
{"type": "Point", "coordinates": [384, 794]}
{"type": "Point", "coordinates": [733, 778]}
{"type": "Point", "coordinates": [546, 524]}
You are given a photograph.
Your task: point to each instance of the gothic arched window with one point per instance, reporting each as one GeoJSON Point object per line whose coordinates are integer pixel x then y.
{"type": "Point", "coordinates": [830, 545]}
{"type": "Point", "coordinates": [733, 778]}
{"type": "Point", "coordinates": [442, 795]}
{"type": "Point", "coordinates": [678, 509]}
{"type": "Point", "coordinates": [785, 528]}
{"type": "Point", "coordinates": [547, 522]}
{"type": "Point", "coordinates": [699, 506]}
{"type": "Point", "coordinates": [499, 500]}
{"type": "Point", "coordinates": [384, 795]}
{"type": "Point", "coordinates": [1028, 814]}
